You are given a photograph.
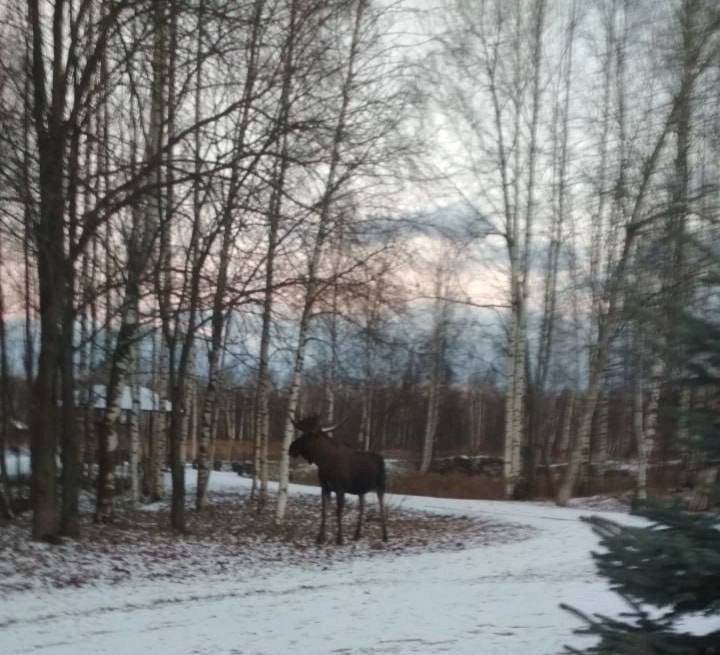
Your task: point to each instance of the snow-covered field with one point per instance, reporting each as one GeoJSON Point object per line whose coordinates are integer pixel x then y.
{"type": "Point", "coordinates": [485, 599]}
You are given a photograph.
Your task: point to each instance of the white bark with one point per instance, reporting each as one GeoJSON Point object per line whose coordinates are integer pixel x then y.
{"type": "Point", "coordinates": [160, 433]}
{"type": "Point", "coordinates": [515, 394]}
{"type": "Point", "coordinates": [289, 432]}
{"type": "Point", "coordinates": [325, 204]}
{"type": "Point", "coordinates": [366, 418]}
{"type": "Point", "coordinates": [207, 432]}
{"type": "Point", "coordinates": [135, 443]}
{"type": "Point", "coordinates": [437, 363]}
{"type": "Point", "coordinates": [648, 434]}
{"type": "Point", "coordinates": [119, 368]}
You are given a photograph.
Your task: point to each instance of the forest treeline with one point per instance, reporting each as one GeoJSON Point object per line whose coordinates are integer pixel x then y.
{"type": "Point", "coordinates": [470, 228]}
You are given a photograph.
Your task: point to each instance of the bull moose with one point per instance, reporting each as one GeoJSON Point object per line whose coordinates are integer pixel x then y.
{"type": "Point", "coordinates": [341, 469]}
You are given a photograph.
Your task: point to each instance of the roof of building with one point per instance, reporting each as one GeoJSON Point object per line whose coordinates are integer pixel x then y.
{"type": "Point", "coordinates": [149, 401]}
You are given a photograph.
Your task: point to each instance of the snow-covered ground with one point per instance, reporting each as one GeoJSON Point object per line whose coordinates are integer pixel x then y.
{"type": "Point", "coordinates": [482, 600]}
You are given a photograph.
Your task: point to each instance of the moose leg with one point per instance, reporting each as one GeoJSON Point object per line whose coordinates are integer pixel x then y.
{"type": "Point", "coordinates": [361, 507]}
{"type": "Point", "coordinates": [325, 496]}
{"type": "Point", "coordinates": [340, 496]}
{"type": "Point", "coordinates": [381, 502]}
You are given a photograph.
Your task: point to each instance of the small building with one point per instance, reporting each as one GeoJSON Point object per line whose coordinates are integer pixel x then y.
{"type": "Point", "coordinates": [92, 404]}
{"type": "Point", "coordinates": [149, 400]}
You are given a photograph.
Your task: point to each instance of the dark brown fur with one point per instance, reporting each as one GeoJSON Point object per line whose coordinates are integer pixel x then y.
{"type": "Point", "coordinates": [341, 470]}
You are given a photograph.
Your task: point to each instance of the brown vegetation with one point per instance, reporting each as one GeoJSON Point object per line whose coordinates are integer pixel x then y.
{"type": "Point", "coordinates": [228, 538]}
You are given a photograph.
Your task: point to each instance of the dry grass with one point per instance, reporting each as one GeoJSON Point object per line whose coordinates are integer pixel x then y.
{"type": "Point", "coordinates": [437, 485]}
{"type": "Point", "coordinates": [445, 485]}
{"type": "Point", "coordinates": [460, 484]}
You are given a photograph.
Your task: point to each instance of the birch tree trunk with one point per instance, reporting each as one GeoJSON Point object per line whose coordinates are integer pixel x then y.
{"type": "Point", "coordinates": [648, 437]}
{"type": "Point", "coordinates": [108, 436]}
{"type": "Point", "coordinates": [611, 298]}
{"type": "Point", "coordinates": [312, 287]}
{"type": "Point", "coordinates": [516, 387]}
{"type": "Point", "coordinates": [560, 208]}
{"type": "Point", "coordinates": [331, 380]}
{"type": "Point", "coordinates": [145, 223]}
{"type": "Point", "coordinates": [261, 422]}
{"type": "Point", "coordinates": [158, 454]}
{"type": "Point", "coordinates": [5, 403]}
{"type": "Point", "coordinates": [437, 363]}
{"type": "Point", "coordinates": [366, 417]}
{"type": "Point", "coordinates": [218, 320]}
{"type": "Point", "coordinates": [135, 442]}
{"type": "Point", "coordinates": [293, 397]}
{"type": "Point", "coordinates": [431, 422]}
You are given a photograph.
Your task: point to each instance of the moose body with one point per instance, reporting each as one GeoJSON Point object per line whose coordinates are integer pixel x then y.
{"type": "Point", "coordinates": [341, 470]}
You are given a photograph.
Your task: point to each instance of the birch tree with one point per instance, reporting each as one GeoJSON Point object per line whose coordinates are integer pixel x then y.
{"type": "Point", "coordinates": [437, 350]}
{"type": "Point", "coordinates": [5, 405]}
{"type": "Point", "coordinates": [336, 176]}
{"type": "Point", "coordinates": [145, 224]}
{"type": "Point", "coordinates": [61, 92]}
{"type": "Point", "coordinates": [671, 288]}
{"type": "Point", "coordinates": [637, 217]}
{"type": "Point", "coordinates": [228, 228]}
{"type": "Point", "coordinates": [492, 56]}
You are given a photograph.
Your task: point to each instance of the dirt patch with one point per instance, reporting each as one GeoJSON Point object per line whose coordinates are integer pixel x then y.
{"type": "Point", "coordinates": [229, 538]}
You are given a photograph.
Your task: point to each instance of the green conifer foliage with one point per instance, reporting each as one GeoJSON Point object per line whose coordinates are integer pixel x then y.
{"type": "Point", "coordinates": [669, 569]}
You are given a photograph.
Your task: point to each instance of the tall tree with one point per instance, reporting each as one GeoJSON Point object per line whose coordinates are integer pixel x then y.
{"type": "Point", "coordinates": [228, 227]}
{"type": "Point", "coordinates": [61, 92]}
{"type": "Point", "coordinates": [637, 216]}
{"type": "Point", "coordinates": [333, 180]}
{"type": "Point", "coordinates": [670, 564]}
{"type": "Point", "coordinates": [492, 56]}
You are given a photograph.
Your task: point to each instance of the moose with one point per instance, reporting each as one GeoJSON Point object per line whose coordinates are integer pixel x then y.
{"type": "Point", "coordinates": [341, 469]}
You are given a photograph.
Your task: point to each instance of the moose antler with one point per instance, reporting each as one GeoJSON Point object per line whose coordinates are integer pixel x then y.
{"type": "Point", "coordinates": [332, 428]}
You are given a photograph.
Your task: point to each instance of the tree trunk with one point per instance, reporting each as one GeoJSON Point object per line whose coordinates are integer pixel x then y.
{"type": "Point", "coordinates": [322, 232]}
{"type": "Point", "coordinates": [580, 454]}
{"type": "Point", "coordinates": [108, 436]}
{"type": "Point", "coordinates": [50, 241]}
{"type": "Point", "coordinates": [565, 440]}
{"type": "Point", "coordinates": [293, 397]}
{"type": "Point", "coordinates": [135, 441]}
{"type": "Point", "coordinates": [602, 428]}
{"type": "Point", "coordinates": [648, 435]}
{"type": "Point", "coordinates": [207, 429]}
{"type": "Point", "coordinates": [5, 406]}
{"type": "Point", "coordinates": [515, 395]}
{"type": "Point", "coordinates": [158, 453]}
{"type": "Point", "coordinates": [437, 359]}
{"type": "Point", "coordinates": [366, 417]}
{"type": "Point", "coordinates": [70, 452]}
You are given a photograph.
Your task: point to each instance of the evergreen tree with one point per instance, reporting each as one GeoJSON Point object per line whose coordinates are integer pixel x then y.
{"type": "Point", "coordinates": [671, 567]}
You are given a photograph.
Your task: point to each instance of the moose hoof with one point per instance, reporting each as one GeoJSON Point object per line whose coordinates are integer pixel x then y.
{"type": "Point", "coordinates": [356, 536]}
{"type": "Point", "coordinates": [320, 539]}
{"type": "Point", "coordinates": [339, 541]}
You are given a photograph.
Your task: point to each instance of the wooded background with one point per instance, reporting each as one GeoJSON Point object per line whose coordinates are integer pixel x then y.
{"type": "Point", "coordinates": [471, 228]}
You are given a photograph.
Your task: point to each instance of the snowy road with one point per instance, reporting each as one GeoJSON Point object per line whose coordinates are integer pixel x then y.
{"type": "Point", "coordinates": [492, 599]}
